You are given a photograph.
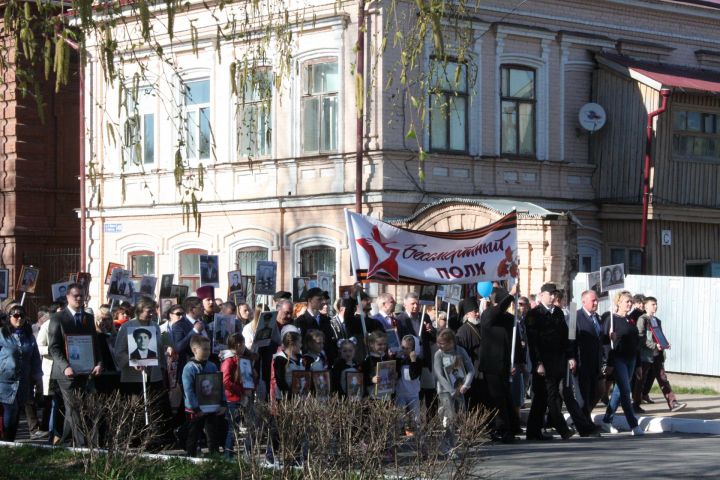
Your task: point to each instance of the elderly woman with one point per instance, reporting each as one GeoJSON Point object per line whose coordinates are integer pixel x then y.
{"type": "Point", "coordinates": [625, 342]}
{"type": "Point", "coordinates": [109, 380]}
{"type": "Point", "coordinates": [21, 368]}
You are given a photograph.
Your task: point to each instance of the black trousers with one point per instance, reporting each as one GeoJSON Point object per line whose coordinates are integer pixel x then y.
{"type": "Point", "coordinates": [478, 395]}
{"type": "Point", "coordinates": [588, 382]}
{"type": "Point", "coordinates": [69, 389]}
{"type": "Point", "coordinates": [546, 396]}
{"type": "Point", "coordinates": [506, 421]}
{"type": "Point", "coordinates": [582, 420]}
{"type": "Point", "coordinates": [213, 425]}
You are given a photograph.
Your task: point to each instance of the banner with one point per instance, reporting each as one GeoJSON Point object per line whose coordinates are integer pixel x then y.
{"type": "Point", "coordinates": [384, 253]}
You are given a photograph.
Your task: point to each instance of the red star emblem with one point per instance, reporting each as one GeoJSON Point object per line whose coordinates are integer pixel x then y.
{"type": "Point", "coordinates": [382, 257]}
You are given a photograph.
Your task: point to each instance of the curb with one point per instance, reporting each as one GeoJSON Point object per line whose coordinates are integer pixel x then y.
{"type": "Point", "coordinates": [156, 456]}
{"type": "Point", "coordinates": [658, 424]}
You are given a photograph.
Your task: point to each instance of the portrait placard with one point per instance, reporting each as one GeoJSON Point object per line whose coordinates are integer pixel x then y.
{"type": "Point", "coordinates": [300, 288]}
{"type": "Point", "coordinates": [209, 274]}
{"type": "Point", "coordinates": [245, 371]}
{"type": "Point", "coordinates": [321, 382]}
{"type": "Point", "coordinates": [386, 374]}
{"type": "Point", "coordinates": [28, 279]}
{"type": "Point", "coordinates": [180, 292]}
{"type": "Point", "coordinates": [59, 291]}
{"type": "Point", "coordinates": [83, 279]}
{"type": "Point", "coordinates": [326, 284]}
{"type": "Point", "coordinates": [222, 326]}
{"type": "Point", "coordinates": [80, 353]}
{"type": "Point", "coordinates": [166, 282]}
{"type": "Point", "coordinates": [428, 294]}
{"type": "Point", "coordinates": [301, 382]}
{"type": "Point", "coordinates": [354, 385]}
{"type": "Point", "coordinates": [108, 274]}
{"type": "Point", "coordinates": [143, 346]}
{"type": "Point", "coordinates": [658, 335]}
{"type": "Point", "coordinates": [147, 285]}
{"type": "Point", "coordinates": [263, 332]}
{"type": "Point", "coordinates": [165, 306]}
{"type": "Point", "coordinates": [453, 294]}
{"type": "Point", "coordinates": [235, 282]}
{"type": "Point", "coordinates": [120, 286]}
{"type": "Point", "coordinates": [612, 277]}
{"type": "Point", "coordinates": [4, 276]}
{"type": "Point", "coordinates": [393, 340]}
{"type": "Point", "coordinates": [208, 388]}
{"type": "Point", "coordinates": [265, 275]}
{"type": "Point", "coordinates": [594, 284]}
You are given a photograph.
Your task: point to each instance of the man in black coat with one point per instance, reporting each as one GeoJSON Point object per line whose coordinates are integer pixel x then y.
{"type": "Point", "coordinates": [312, 319]}
{"type": "Point", "coordinates": [468, 337]}
{"type": "Point", "coordinates": [549, 352]}
{"type": "Point", "coordinates": [72, 320]}
{"type": "Point", "coordinates": [589, 349]}
{"type": "Point", "coordinates": [496, 330]}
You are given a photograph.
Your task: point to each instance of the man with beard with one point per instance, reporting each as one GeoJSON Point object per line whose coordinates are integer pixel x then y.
{"type": "Point", "coordinates": [468, 337]}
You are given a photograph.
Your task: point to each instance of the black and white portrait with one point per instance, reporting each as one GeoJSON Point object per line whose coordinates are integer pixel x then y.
{"type": "Point", "coordinates": [28, 279]}
{"type": "Point", "coordinates": [166, 285]}
{"type": "Point", "coordinates": [235, 281]}
{"type": "Point", "coordinates": [59, 291]}
{"type": "Point", "coordinates": [4, 282]}
{"type": "Point", "coordinates": [265, 275]}
{"type": "Point", "coordinates": [147, 285]}
{"type": "Point", "coordinates": [143, 346]}
{"type": "Point", "coordinates": [120, 285]}
{"type": "Point", "coordinates": [300, 288]}
{"type": "Point", "coordinates": [427, 294]}
{"type": "Point", "coordinates": [612, 277]}
{"type": "Point", "coordinates": [209, 274]}
{"type": "Point", "coordinates": [208, 388]}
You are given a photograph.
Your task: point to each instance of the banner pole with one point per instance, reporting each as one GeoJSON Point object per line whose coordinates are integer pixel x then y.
{"type": "Point", "coordinates": [144, 381]}
{"type": "Point", "coordinates": [515, 324]}
{"type": "Point", "coordinates": [22, 300]}
{"type": "Point", "coordinates": [362, 319]}
{"type": "Point", "coordinates": [422, 319]}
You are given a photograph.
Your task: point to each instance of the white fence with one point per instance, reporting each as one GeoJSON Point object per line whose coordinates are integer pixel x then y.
{"type": "Point", "coordinates": [690, 314]}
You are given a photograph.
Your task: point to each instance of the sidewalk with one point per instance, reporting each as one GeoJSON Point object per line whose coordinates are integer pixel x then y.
{"type": "Point", "coordinates": [702, 415]}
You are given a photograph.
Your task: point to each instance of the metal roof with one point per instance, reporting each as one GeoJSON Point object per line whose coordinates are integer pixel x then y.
{"type": "Point", "coordinates": [500, 206]}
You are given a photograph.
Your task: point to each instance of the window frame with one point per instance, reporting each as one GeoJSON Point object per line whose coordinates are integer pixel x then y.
{"type": "Point", "coordinates": [141, 253]}
{"type": "Point", "coordinates": [691, 134]}
{"type": "Point", "coordinates": [137, 108]}
{"type": "Point", "coordinates": [626, 258]}
{"type": "Point", "coordinates": [187, 109]}
{"type": "Point", "coordinates": [305, 81]}
{"type": "Point", "coordinates": [301, 264]}
{"type": "Point", "coordinates": [263, 108]}
{"type": "Point", "coordinates": [447, 95]}
{"type": "Point", "coordinates": [518, 101]}
{"type": "Point", "coordinates": [194, 279]}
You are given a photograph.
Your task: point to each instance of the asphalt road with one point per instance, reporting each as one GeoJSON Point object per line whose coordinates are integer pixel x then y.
{"type": "Point", "coordinates": [662, 455]}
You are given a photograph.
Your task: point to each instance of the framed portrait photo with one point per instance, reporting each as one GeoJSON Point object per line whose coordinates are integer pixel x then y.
{"type": "Point", "coordinates": [222, 327]}
{"type": "Point", "coordinates": [393, 340]}
{"type": "Point", "coordinates": [300, 288]}
{"type": "Point", "coordinates": [143, 346]}
{"type": "Point", "coordinates": [301, 383]}
{"type": "Point", "coordinates": [386, 374]}
{"type": "Point", "coordinates": [147, 285]}
{"type": "Point", "coordinates": [166, 282]}
{"type": "Point", "coordinates": [321, 383]}
{"type": "Point", "coordinates": [209, 274]}
{"type": "Point", "coordinates": [612, 277]}
{"type": "Point", "coordinates": [428, 294]}
{"type": "Point", "coordinates": [235, 282]}
{"type": "Point", "coordinates": [80, 353]}
{"type": "Point", "coordinates": [59, 291]}
{"type": "Point", "coordinates": [208, 388]}
{"type": "Point", "coordinates": [165, 306]}
{"type": "Point", "coordinates": [659, 336]}
{"type": "Point", "coordinates": [453, 293]}
{"type": "Point", "coordinates": [263, 332]}
{"type": "Point", "coordinates": [354, 385]}
{"type": "Point", "coordinates": [121, 287]}
{"type": "Point", "coordinates": [245, 372]}
{"type": "Point", "coordinates": [180, 292]}
{"type": "Point", "coordinates": [108, 273]}
{"type": "Point", "coordinates": [4, 277]}
{"type": "Point", "coordinates": [28, 279]}
{"type": "Point", "coordinates": [265, 277]}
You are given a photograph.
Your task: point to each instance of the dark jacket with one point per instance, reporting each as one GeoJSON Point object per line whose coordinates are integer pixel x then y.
{"type": "Point", "coordinates": [468, 337]}
{"type": "Point", "coordinates": [548, 340]}
{"type": "Point", "coordinates": [307, 322]}
{"type": "Point", "coordinates": [627, 339]}
{"type": "Point", "coordinates": [61, 324]}
{"type": "Point", "coordinates": [496, 327]}
{"type": "Point", "coordinates": [408, 326]}
{"type": "Point", "coordinates": [588, 345]}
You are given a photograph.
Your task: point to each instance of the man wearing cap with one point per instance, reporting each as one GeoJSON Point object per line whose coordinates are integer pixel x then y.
{"type": "Point", "coordinates": [549, 348]}
{"type": "Point", "coordinates": [206, 293]}
{"type": "Point", "coordinates": [469, 338]}
{"type": "Point", "coordinates": [312, 319]}
{"type": "Point", "coordinates": [496, 327]}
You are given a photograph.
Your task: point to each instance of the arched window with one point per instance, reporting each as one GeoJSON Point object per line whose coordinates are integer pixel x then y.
{"type": "Point", "coordinates": [246, 259]}
{"type": "Point", "coordinates": [316, 259]}
{"type": "Point", "coordinates": [142, 262]}
{"type": "Point", "coordinates": [190, 267]}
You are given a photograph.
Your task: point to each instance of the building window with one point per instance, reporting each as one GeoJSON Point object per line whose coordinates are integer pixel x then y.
{"type": "Point", "coordinates": [448, 106]}
{"type": "Point", "coordinates": [630, 257]}
{"type": "Point", "coordinates": [246, 259]}
{"type": "Point", "coordinates": [316, 259]}
{"type": "Point", "coordinates": [141, 263]}
{"type": "Point", "coordinates": [517, 114]}
{"type": "Point", "coordinates": [320, 107]}
{"type": "Point", "coordinates": [190, 267]}
{"type": "Point", "coordinates": [197, 124]}
{"type": "Point", "coordinates": [139, 132]}
{"type": "Point", "coordinates": [696, 135]}
{"type": "Point", "coordinates": [253, 115]}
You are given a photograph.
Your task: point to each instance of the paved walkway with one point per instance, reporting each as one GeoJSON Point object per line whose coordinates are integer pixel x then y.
{"type": "Point", "coordinates": [704, 407]}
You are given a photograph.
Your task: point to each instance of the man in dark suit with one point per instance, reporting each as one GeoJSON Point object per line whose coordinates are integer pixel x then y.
{"type": "Point", "coordinates": [312, 319]}
{"type": "Point", "coordinates": [589, 349]}
{"type": "Point", "coordinates": [408, 323]}
{"type": "Point", "coordinates": [496, 331]}
{"type": "Point", "coordinates": [549, 346]}
{"type": "Point", "coordinates": [71, 320]}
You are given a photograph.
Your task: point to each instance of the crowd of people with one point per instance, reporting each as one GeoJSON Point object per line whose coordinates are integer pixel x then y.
{"type": "Point", "coordinates": [441, 362]}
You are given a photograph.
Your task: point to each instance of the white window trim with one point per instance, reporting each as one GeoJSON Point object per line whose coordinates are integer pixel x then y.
{"type": "Point", "coordinates": [246, 243]}
{"type": "Point", "coordinates": [233, 121]}
{"type": "Point", "coordinates": [298, 93]}
{"type": "Point", "coordinates": [315, 241]}
{"type": "Point", "coordinates": [190, 75]}
{"type": "Point", "coordinates": [123, 115]}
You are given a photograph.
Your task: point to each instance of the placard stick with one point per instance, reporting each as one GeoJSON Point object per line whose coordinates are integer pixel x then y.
{"type": "Point", "coordinates": [612, 321]}
{"type": "Point", "coordinates": [422, 320]}
{"type": "Point", "coordinates": [362, 318]}
{"type": "Point", "coordinates": [144, 381]}
{"type": "Point", "coordinates": [572, 334]}
{"type": "Point", "coordinates": [22, 299]}
{"type": "Point", "coordinates": [447, 319]}
{"type": "Point", "coordinates": [515, 324]}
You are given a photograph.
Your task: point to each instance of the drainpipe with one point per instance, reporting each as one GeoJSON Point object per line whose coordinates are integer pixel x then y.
{"type": "Point", "coordinates": [646, 175]}
{"type": "Point", "coordinates": [360, 99]}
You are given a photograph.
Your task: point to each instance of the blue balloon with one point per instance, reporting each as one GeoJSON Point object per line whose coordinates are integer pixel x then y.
{"type": "Point", "coordinates": [484, 288]}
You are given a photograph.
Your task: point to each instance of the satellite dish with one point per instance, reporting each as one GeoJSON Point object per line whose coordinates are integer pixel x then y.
{"type": "Point", "coordinates": [592, 117]}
